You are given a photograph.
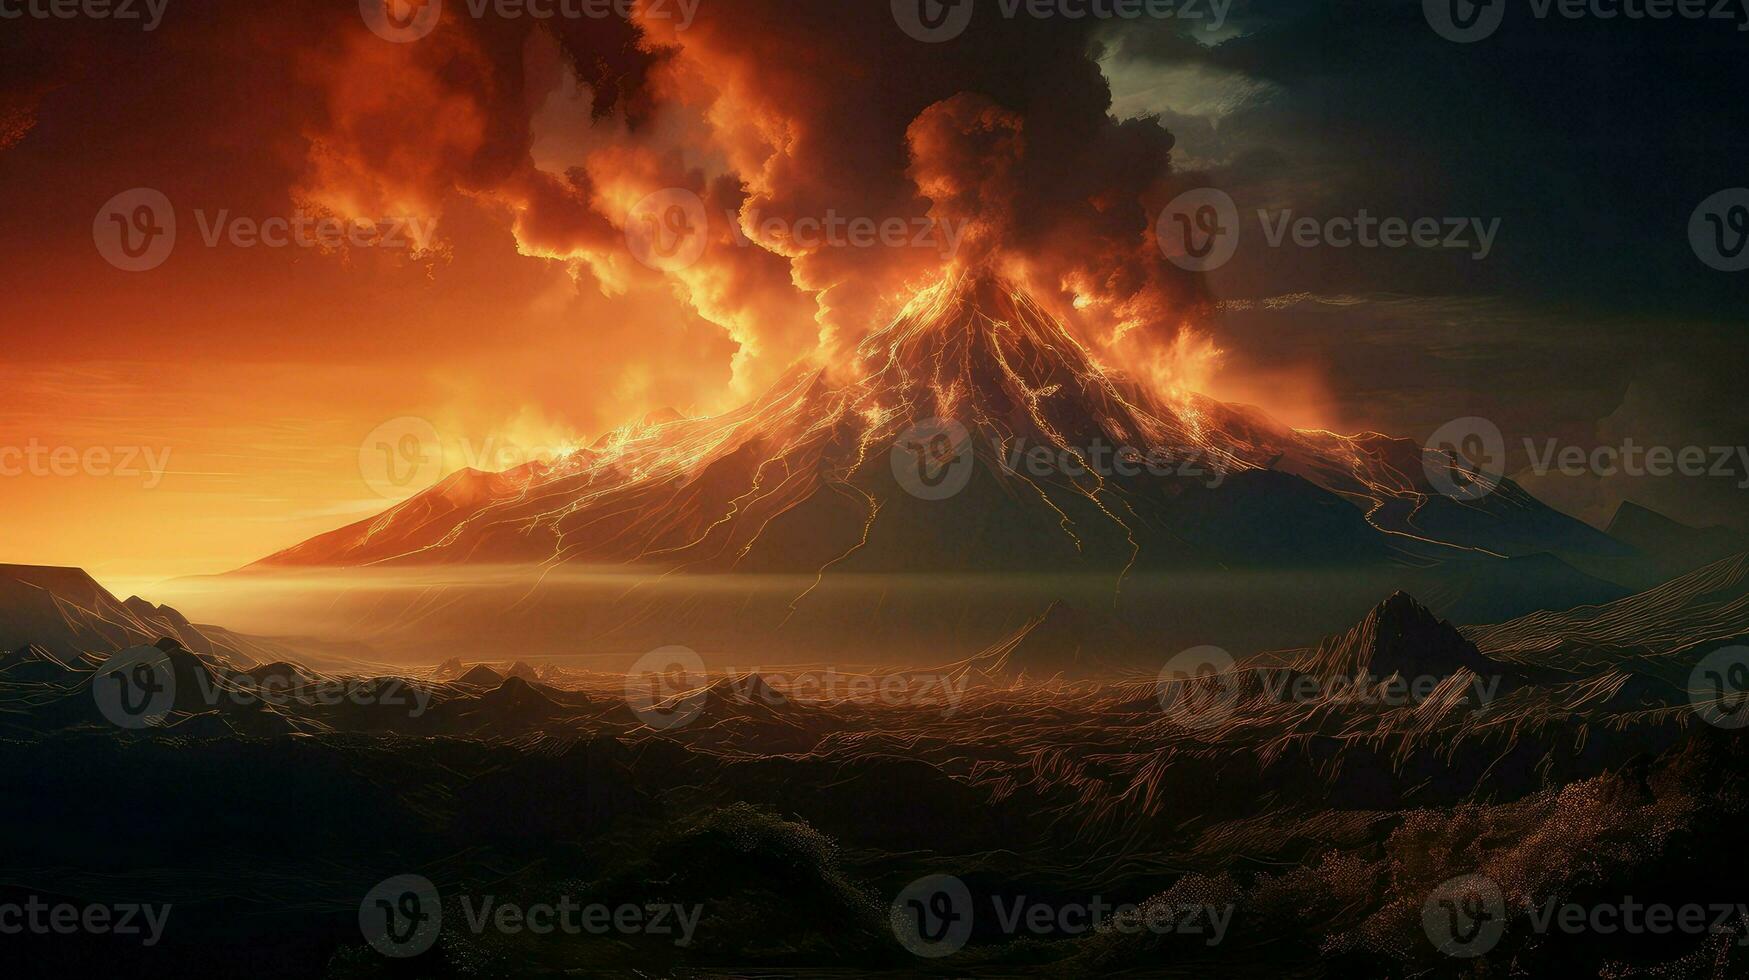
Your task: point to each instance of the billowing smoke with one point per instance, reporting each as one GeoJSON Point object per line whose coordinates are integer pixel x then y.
{"type": "Point", "coordinates": [831, 163]}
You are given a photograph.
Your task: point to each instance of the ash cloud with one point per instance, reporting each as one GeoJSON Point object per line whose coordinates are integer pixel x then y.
{"type": "Point", "coordinates": [777, 116]}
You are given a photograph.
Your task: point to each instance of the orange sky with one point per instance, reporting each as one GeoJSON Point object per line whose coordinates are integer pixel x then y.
{"type": "Point", "coordinates": [522, 320]}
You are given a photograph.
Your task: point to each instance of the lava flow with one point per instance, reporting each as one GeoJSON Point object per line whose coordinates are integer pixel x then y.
{"type": "Point", "coordinates": [1076, 466]}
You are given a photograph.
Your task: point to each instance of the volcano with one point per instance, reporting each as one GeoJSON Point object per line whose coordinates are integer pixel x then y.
{"type": "Point", "coordinates": [1069, 465]}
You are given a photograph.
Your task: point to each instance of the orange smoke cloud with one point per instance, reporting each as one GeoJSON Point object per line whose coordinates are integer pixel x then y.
{"type": "Point", "coordinates": [739, 111]}
{"type": "Point", "coordinates": [965, 152]}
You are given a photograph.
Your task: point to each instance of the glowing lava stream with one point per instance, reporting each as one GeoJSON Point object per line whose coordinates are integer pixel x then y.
{"type": "Point", "coordinates": [703, 493]}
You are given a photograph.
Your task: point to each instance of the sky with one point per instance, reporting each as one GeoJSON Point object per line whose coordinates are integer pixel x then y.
{"type": "Point", "coordinates": [505, 303]}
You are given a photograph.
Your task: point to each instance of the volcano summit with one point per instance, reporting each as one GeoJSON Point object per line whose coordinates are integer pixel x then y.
{"type": "Point", "coordinates": [800, 481]}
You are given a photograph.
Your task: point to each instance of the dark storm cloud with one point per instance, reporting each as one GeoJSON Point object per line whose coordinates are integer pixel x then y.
{"type": "Point", "coordinates": [1592, 141]}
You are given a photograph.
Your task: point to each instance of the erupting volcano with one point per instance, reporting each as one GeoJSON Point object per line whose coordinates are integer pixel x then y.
{"type": "Point", "coordinates": [1075, 466]}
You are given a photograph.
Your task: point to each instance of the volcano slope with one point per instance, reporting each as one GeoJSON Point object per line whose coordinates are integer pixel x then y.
{"type": "Point", "coordinates": [1298, 818]}
{"type": "Point", "coordinates": [1040, 461]}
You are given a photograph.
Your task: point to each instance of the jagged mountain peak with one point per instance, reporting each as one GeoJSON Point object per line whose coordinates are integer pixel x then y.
{"type": "Point", "coordinates": [1398, 636]}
